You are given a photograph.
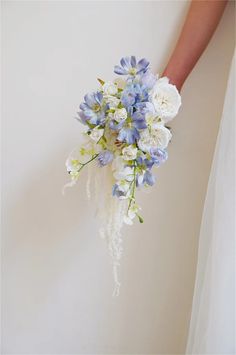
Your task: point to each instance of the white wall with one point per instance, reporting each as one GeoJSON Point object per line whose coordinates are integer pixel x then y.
{"type": "Point", "coordinates": [56, 275]}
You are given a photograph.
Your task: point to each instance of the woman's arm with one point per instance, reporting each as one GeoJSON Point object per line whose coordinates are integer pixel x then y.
{"type": "Point", "coordinates": [200, 24]}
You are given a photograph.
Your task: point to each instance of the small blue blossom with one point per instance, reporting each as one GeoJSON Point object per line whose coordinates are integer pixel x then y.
{"type": "Point", "coordinates": [91, 109]}
{"type": "Point", "coordinates": [128, 135]}
{"type": "Point", "coordinates": [144, 108]}
{"type": "Point", "coordinates": [145, 163]}
{"type": "Point", "coordinates": [146, 178]}
{"type": "Point", "coordinates": [148, 79]}
{"type": "Point", "coordinates": [121, 189]}
{"type": "Point", "coordinates": [116, 126]}
{"type": "Point", "coordinates": [105, 157]}
{"type": "Point", "coordinates": [133, 94]}
{"type": "Point", "coordinates": [129, 65]}
{"type": "Point", "coordinates": [128, 97]}
{"type": "Point", "coordinates": [158, 156]}
{"type": "Point", "coordinates": [138, 120]}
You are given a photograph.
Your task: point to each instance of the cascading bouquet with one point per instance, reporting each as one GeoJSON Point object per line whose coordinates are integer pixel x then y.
{"type": "Point", "coordinates": [126, 135]}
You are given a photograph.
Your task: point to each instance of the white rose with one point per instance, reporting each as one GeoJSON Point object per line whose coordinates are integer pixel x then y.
{"type": "Point", "coordinates": [129, 153]}
{"type": "Point", "coordinates": [162, 136]}
{"type": "Point", "coordinates": [146, 141]}
{"type": "Point", "coordinates": [120, 114]}
{"type": "Point", "coordinates": [166, 99]}
{"type": "Point", "coordinates": [156, 138]}
{"type": "Point", "coordinates": [153, 120]}
{"type": "Point", "coordinates": [96, 134]}
{"type": "Point", "coordinates": [112, 101]}
{"type": "Point", "coordinates": [109, 88]}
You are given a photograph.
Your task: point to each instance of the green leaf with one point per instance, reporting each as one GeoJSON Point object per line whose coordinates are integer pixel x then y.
{"type": "Point", "coordinates": [140, 218]}
{"type": "Point", "coordinates": [101, 81]}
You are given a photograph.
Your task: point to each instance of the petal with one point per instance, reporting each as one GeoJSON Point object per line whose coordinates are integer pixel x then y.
{"type": "Point", "coordinates": [142, 65]}
{"type": "Point", "coordinates": [133, 61]}
{"type": "Point", "coordinates": [84, 107]}
{"type": "Point", "coordinates": [125, 63]}
{"type": "Point", "coordinates": [89, 99]}
{"type": "Point", "coordinates": [116, 126]}
{"type": "Point", "coordinates": [119, 70]}
{"type": "Point", "coordinates": [98, 97]}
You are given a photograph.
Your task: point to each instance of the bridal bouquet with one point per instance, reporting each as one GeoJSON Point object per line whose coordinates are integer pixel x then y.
{"type": "Point", "coordinates": [126, 136]}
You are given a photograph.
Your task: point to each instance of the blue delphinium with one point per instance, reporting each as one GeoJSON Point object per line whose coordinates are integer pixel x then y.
{"type": "Point", "coordinates": [119, 191]}
{"type": "Point", "coordinates": [129, 66]}
{"type": "Point", "coordinates": [146, 178]}
{"type": "Point", "coordinates": [158, 156]}
{"type": "Point", "coordinates": [148, 79]}
{"type": "Point", "coordinates": [92, 110]}
{"type": "Point", "coordinates": [133, 94]}
{"type": "Point", "coordinates": [128, 135]}
{"type": "Point", "coordinates": [105, 157]}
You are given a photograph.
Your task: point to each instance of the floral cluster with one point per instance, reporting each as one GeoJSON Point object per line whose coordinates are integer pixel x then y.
{"type": "Point", "coordinates": [126, 129]}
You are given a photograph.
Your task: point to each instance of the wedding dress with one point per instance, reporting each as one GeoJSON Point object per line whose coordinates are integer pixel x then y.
{"type": "Point", "coordinates": [212, 326]}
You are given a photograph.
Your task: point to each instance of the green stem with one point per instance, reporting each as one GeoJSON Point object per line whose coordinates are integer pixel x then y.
{"type": "Point", "coordinates": [133, 190]}
{"type": "Point", "coordinates": [87, 162]}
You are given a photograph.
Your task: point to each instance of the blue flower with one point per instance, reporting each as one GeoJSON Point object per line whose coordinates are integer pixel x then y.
{"type": "Point", "coordinates": [128, 97]}
{"type": "Point", "coordinates": [141, 92]}
{"type": "Point", "coordinates": [138, 120]}
{"type": "Point", "coordinates": [148, 79]}
{"type": "Point", "coordinates": [133, 94]}
{"type": "Point", "coordinates": [105, 157]}
{"type": "Point", "coordinates": [92, 110]}
{"type": "Point", "coordinates": [128, 135]}
{"type": "Point", "coordinates": [129, 129]}
{"type": "Point", "coordinates": [116, 126]}
{"type": "Point", "coordinates": [158, 156]}
{"type": "Point", "coordinates": [145, 163]}
{"type": "Point", "coordinates": [146, 178]}
{"type": "Point", "coordinates": [129, 65]}
{"type": "Point", "coordinates": [121, 190]}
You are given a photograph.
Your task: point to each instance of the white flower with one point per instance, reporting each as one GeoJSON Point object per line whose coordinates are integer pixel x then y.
{"type": "Point", "coordinates": [121, 83]}
{"type": "Point", "coordinates": [118, 163]}
{"type": "Point", "coordinates": [152, 120]}
{"type": "Point", "coordinates": [112, 101]}
{"type": "Point", "coordinates": [124, 187]}
{"type": "Point", "coordinates": [132, 213]}
{"type": "Point", "coordinates": [129, 153]}
{"type": "Point", "coordinates": [120, 114]}
{"type": "Point", "coordinates": [146, 141]}
{"type": "Point", "coordinates": [162, 136]}
{"type": "Point", "coordinates": [126, 174]}
{"type": "Point", "coordinates": [96, 134]}
{"type": "Point", "coordinates": [120, 171]}
{"type": "Point", "coordinates": [166, 99]}
{"type": "Point", "coordinates": [158, 137]}
{"type": "Point", "coordinates": [72, 164]}
{"type": "Point", "coordinates": [109, 88]}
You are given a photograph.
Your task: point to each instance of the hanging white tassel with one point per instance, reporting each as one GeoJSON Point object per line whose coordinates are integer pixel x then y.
{"type": "Point", "coordinates": [88, 183]}
{"type": "Point", "coordinates": [110, 212]}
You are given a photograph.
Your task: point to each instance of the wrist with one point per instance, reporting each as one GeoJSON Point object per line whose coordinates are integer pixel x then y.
{"type": "Point", "coordinates": [174, 78]}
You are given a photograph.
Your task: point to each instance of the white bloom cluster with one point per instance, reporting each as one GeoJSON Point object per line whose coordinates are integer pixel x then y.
{"type": "Point", "coordinates": [157, 137]}
{"type": "Point", "coordinates": [166, 99]}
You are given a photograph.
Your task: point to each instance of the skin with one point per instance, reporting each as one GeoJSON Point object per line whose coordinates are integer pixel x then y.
{"type": "Point", "coordinates": [202, 19]}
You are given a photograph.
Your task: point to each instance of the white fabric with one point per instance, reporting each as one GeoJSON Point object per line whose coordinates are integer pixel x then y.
{"type": "Point", "coordinates": [212, 326]}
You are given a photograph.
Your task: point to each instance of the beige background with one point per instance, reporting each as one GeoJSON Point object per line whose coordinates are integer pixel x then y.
{"type": "Point", "coordinates": [56, 276]}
